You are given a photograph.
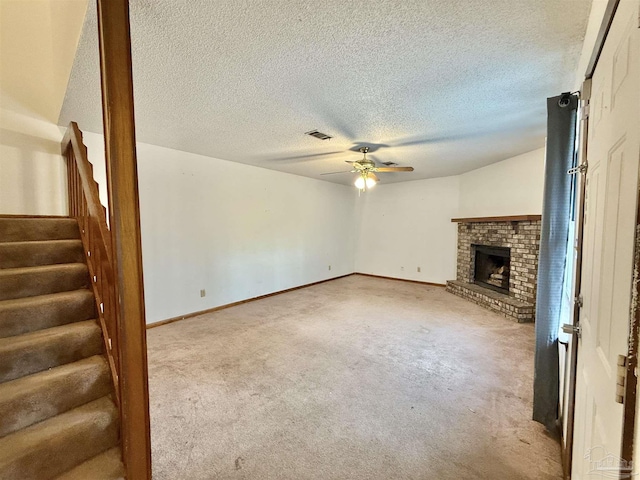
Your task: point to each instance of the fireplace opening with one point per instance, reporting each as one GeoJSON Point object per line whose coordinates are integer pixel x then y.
{"type": "Point", "coordinates": [492, 265]}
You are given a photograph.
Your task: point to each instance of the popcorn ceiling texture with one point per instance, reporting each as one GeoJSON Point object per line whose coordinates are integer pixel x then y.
{"type": "Point", "coordinates": [445, 86]}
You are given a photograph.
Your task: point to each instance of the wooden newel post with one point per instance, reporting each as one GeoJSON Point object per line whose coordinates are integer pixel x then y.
{"type": "Point", "coordinates": [124, 215]}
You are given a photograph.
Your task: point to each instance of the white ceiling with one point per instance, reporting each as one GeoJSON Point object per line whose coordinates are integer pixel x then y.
{"type": "Point", "coordinates": [443, 85]}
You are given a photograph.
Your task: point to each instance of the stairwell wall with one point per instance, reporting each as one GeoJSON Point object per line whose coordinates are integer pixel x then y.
{"type": "Point", "coordinates": [32, 170]}
{"type": "Point", "coordinates": [234, 230]}
{"type": "Point", "coordinates": [38, 41]}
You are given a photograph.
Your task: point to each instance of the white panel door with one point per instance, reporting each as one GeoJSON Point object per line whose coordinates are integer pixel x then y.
{"type": "Point", "coordinates": [613, 153]}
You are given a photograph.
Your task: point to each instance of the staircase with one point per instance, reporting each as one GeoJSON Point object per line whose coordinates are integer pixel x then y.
{"type": "Point", "coordinates": [58, 419]}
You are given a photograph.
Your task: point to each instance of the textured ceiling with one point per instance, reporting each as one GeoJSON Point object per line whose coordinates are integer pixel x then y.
{"type": "Point", "coordinates": [445, 86]}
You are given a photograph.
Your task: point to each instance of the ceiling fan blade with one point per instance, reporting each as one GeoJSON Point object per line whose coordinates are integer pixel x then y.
{"type": "Point", "coordinates": [374, 176]}
{"type": "Point", "coordinates": [304, 158]}
{"type": "Point", "coordinates": [333, 173]}
{"type": "Point", "coordinates": [393, 169]}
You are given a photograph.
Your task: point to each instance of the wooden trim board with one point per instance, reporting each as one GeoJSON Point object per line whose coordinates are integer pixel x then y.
{"type": "Point", "coordinates": [273, 294]}
{"type": "Point", "coordinates": [116, 75]}
{"type": "Point", "coordinates": [401, 279]}
{"type": "Point", "coordinates": [605, 26]}
{"type": "Point", "coordinates": [234, 304]}
{"type": "Point", "coordinates": [566, 445]}
{"type": "Point", "coordinates": [508, 218]}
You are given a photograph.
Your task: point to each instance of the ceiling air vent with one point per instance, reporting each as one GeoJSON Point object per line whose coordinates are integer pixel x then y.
{"type": "Point", "coordinates": [317, 134]}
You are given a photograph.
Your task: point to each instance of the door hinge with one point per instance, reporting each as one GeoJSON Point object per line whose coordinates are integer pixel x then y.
{"type": "Point", "coordinates": [585, 111]}
{"type": "Point", "coordinates": [621, 378]}
{"type": "Point", "coordinates": [578, 301]}
{"type": "Point", "coordinates": [582, 168]}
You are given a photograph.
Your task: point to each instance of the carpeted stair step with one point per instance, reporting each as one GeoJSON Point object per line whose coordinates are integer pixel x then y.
{"type": "Point", "coordinates": [34, 352]}
{"type": "Point", "coordinates": [32, 281]}
{"type": "Point", "coordinates": [43, 395]}
{"type": "Point", "coordinates": [49, 448]}
{"type": "Point", "coordinates": [20, 229]}
{"type": "Point", "coordinates": [23, 315]}
{"type": "Point", "coordinates": [106, 466]}
{"type": "Point", "coordinates": [41, 252]}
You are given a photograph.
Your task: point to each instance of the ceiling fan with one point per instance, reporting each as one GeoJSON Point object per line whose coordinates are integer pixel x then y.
{"type": "Point", "coordinates": [367, 169]}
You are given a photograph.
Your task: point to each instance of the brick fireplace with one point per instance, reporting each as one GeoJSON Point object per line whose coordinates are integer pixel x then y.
{"type": "Point", "coordinates": [498, 264]}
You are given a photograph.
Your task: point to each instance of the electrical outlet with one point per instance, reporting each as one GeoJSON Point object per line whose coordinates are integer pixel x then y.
{"type": "Point", "coordinates": [203, 293]}
{"type": "Point", "coordinates": [329, 267]}
{"type": "Point", "coordinates": [418, 269]}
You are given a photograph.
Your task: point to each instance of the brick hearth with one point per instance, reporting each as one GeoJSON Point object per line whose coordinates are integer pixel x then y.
{"type": "Point", "coordinates": [522, 236]}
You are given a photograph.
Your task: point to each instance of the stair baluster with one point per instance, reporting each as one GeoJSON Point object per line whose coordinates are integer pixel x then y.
{"type": "Point", "coordinates": [85, 206]}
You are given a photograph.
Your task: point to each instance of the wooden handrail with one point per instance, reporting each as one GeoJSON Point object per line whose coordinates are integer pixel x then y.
{"type": "Point", "coordinates": [114, 251]}
{"type": "Point", "coordinates": [85, 206]}
{"type": "Point", "coordinates": [73, 139]}
{"type": "Point", "coordinates": [116, 74]}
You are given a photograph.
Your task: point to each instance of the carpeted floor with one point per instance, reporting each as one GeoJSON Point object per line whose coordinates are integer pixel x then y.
{"type": "Point", "coordinates": [357, 378]}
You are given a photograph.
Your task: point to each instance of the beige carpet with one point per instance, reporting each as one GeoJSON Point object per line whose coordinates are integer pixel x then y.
{"type": "Point", "coordinates": [57, 414]}
{"type": "Point", "coordinates": [357, 378]}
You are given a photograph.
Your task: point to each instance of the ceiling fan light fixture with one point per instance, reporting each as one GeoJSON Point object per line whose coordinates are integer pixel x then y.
{"type": "Point", "coordinates": [367, 170]}
{"type": "Point", "coordinates": [365, 182]}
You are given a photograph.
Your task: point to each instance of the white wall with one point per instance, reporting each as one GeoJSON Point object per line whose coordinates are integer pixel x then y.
{"type": "Point", "coordinates": [32, 171]}
{"type": "Point", "coordinates": [403, 226]}
{"type": "Point", "coordinates": [510, 187]}
{"type": "Point", "coordinates": [96, 154]}
{"type": "Point", "coordinates": [407, 225]}
{"type": "Point", "coordinates": [235, 230]}
{"type": "Point", "coordinates": [240, 231]}
{"type": "Point", "coordinates": [38, 40]}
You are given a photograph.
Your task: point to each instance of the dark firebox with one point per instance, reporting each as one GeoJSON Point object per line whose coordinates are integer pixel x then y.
{"type": "Point", "coordinates": [491, 268]}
